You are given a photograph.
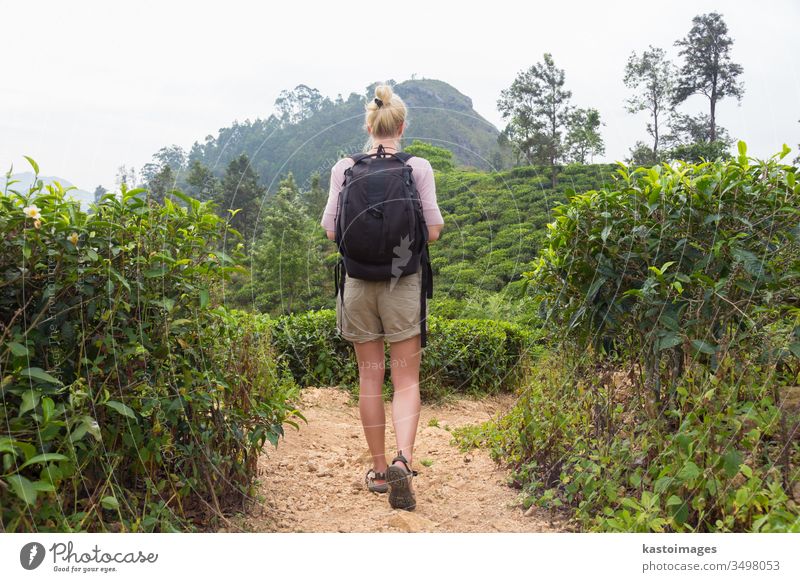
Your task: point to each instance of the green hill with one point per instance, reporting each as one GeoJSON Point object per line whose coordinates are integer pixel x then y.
{"type": "Point", "coordinates": [438, 114]}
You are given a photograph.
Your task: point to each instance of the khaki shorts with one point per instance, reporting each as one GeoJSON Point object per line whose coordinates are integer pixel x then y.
{"type": "Point", "coordinates": [372, 310]}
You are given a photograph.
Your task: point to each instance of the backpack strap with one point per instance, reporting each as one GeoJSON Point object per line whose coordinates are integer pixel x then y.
{"type": "Point", "coordinates": [358, 157]}
{"type": "Point", "coordinates": [425, 293]}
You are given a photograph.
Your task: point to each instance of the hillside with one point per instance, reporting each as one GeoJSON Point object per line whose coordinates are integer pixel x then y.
{"type": "Point", "coordinates": [25, 181]}
{"type": "Point", "coordinates": [438, 114]}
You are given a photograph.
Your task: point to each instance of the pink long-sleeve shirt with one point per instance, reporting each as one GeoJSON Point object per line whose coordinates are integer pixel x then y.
{"type": "Point", "coordinates": [422, 173]}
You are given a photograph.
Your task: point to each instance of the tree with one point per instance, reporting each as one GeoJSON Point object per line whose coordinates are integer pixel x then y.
{"type": "Point", "coordinates": [161, 183]}
{"type": "Point", "coordinates": [797, 159]}
{"type": "Point", "coordinates": [300, 103]}
{"type": "Point", "coordinates": [287, 258]}
{"type": "Point", "coordinates": [99, 192]}
{"type": "Point", "coordinates": [441, 159]}
{"type": "Point", "coordinates": [537, 107]}
{"type": "Point", "coordinates": [652, 77]}
{"type": "Point", "coordinates": [583, 136]}
{"type": "Point", "coordinates": [203, 184]}
{"type": "Point", "coordinates": [641, 154]}
{"type": "Point", "coordinates": [315, 198]}
{"type": "Point", "coordinates": [690, 129]}
{"type": "Point", "coordinates": [708, 69]}
{"type": "Point", "coordinates": [126, 176]}
{"type": "Point", "coordinates": [241, 193]}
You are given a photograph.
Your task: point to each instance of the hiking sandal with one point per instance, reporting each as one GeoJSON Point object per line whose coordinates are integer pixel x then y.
{"type": "Point", "coordinates": [372, 474]}
{"type": "Point", "coordinates": [399, 479]}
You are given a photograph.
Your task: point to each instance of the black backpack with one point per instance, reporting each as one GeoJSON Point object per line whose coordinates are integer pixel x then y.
{"type": "Point", "coordinates": [380, 227]}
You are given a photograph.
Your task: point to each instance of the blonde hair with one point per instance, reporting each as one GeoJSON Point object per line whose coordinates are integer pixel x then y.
{"type": "Point", "coordinates": [385, 119]}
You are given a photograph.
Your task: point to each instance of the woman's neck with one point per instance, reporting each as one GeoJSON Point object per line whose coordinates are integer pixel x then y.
{"type": "Point", "coordinates": [389, 144]}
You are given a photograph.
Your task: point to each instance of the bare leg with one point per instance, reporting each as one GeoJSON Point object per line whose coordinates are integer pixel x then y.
{"type": "Point", "coordinates": [405, 360]}
{"type": "Point", "coordinates": [371, 371]}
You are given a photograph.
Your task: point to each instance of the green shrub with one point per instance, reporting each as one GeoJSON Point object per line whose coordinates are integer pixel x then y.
{"type": "Point", "coordinates": [462, 356]}
{"type": "Point", "coordinates": [677, 262]}
{"type": "Point", "coordinates": [671, 302]}
{"type": "Point", "coordinates": [130, 402]}
{"type": "Point", "coordinates": [573, 442]}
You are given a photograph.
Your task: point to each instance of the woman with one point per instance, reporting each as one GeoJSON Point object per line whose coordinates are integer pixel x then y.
{"type": "Point", "coordinates": [374, 312]}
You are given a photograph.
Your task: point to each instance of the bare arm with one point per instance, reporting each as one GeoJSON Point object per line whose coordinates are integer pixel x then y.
{"type": "Point", "coordinates": [434, 231]}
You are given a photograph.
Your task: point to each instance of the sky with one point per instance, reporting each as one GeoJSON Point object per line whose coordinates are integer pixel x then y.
{"type": "Point", "coordinates": [89, 86]}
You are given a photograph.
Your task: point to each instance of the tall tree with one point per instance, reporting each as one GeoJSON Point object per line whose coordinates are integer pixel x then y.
{"type": "Point", "coordinates": [241, 195]}
{"type": "Point", "coordinates": [99, 192]}
{"type": "Point", "coordinates": [652, 77]}
{"type": "Point", "coordinates": [583, 135]}
{"type": "Point", "coordinates": [537, 107]}
{"type": "Point", "coordinates": [161, 183]}
{"type": "Point", "coordinates": [315, 197]}
{"type": "Point", "coordinates": [202, 182]}
{"type": "Point", "coordinates": [298, 104]}
{"type": "Point", "coordinates": [127, 176]}
{"type": "Point", "coordinates": [707, 68]}
{"type": "Point", "coordinates": [286, 268]}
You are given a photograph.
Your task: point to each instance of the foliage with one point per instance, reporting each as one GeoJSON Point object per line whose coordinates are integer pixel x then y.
{"type": "Point", "coordinates": [537, 108]}
{"type": "Point", "coordinates": [580, 437]}
{"type": "Point", "coordinates": [242, 195]}
{"type": "Point", "coordinates": [130, 402]}
{"type": "Point", "coordinates": [708, 69]}
{"type": "Point", "coordinates": [441, 159]}
{"type": "Point", "coordinates": [498, 225]}
{"type": "Point", "coordinates": [667, 400]}
{"type": "Point", "coordinates": [462, 356]}
{"type": "Point", "coordinates": [292, 140]}
{"type": "Point", "coordinates": [652, 76]}
{"type": "Point", "coordinates": [675, 262]}
{"type": "Point", "coordinates": [286, 271]}
{"type": "Point", "coordinates": [583, 139]}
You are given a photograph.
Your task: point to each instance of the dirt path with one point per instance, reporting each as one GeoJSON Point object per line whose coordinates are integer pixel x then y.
{"type": "Point", "coordinates": [314, 480]}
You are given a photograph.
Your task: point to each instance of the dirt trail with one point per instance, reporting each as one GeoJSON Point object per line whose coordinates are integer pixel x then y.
{"type": "Point", "coordinates": [314, 480]}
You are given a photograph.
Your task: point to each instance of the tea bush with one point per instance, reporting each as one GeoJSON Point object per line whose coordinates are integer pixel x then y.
{"type": "Point", "coordinates": [130, 401]}
{"type": "Point", "coordinates": [668, 399]}
{"type": "Point", "coordinates": [462, 356]}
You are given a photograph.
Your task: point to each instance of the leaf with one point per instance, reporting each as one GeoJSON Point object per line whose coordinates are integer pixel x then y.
{"type": "Point", "coordinates": [33, 164]}
{"type": "Point", "coordinates": [689, 472]}
{"type": "Point", "coordinates": [23, 488]}
{"type": "Point", "coordinates": [18, 349]}
{"type": "Point", "coordinates": [30, 398]}
{"type": "Point", "coordinates": [703, 346]}
{"type": "Point", "coordinates": [43, 486]}
{"type": "Point", "coordinates": [123, 409]}
{"type": "Point", "coordinates": [203, 298]}
{"type": "Point", "coordinates": [731, 462]}
{"type": "Point", "coordinates": [670, 340]}
{"type": "Point", "coordinates": [109, 502]}
{"type": "Point", "coordinates": [48, 407]}
{"type": "Point", "coordinates": [44, 458]}
{"type": "Point", "coordinates": [742, 148]}
{"type": "Point", "coordinates": [39, 374]}
{"type": "Point", "coordinates": [605, 233]}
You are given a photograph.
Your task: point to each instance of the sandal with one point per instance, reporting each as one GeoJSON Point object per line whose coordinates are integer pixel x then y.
{"type": "Point", "coordinates": [372, 474]}
{"type": "Point", "coordinates": [399, 479]}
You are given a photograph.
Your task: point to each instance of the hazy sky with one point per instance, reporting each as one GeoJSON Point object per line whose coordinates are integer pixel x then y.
{"type": "Point", "coordinates": [88, 86]}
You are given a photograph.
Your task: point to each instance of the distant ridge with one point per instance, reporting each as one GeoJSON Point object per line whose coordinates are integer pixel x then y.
{"type": "Point", "coordinates": [438, 114]}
